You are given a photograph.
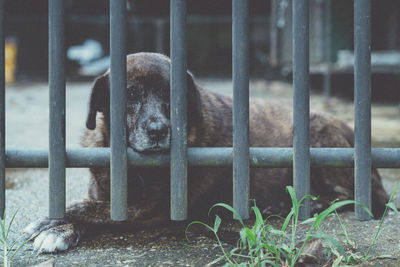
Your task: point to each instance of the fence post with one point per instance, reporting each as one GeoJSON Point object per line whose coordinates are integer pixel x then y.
{"type": "Point", "coordinates": [2, 114]}
{"type": "Point", "coordinates": [178, 111]}
{"type": "Point", "coordinates": [240, 70]}
{"type": "Point", "coordinates": [57, 155]}
{"type": "Point", "coordinates": [301, 104]}
{"type": "Point", "coordinates": [327, 49]}
{"type": "Point", "coordinates": [274, 35]}
{"type": "Point", "coordinates": [362, 106]}
{"type": "Point", "coordinates": [118, 160]}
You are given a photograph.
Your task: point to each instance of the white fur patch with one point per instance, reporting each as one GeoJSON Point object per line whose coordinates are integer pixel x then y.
{"type": "Point", "coordinates": [139, 138]}
{"type": "Point", "coordinates": [49, 242]}
{"type": "Point", "coordinates": [30, 229]}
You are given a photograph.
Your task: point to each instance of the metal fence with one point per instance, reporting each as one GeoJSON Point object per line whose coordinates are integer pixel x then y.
{"type": "Point", "coordinates": [118, 157]}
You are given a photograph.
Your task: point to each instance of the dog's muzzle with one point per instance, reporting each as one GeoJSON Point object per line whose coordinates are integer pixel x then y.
{"type": "Point", "coordinates": [157, 131]}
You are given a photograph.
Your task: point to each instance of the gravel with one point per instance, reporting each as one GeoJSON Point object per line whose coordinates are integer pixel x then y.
{"type": "Point", "coordinates": [164, 245]}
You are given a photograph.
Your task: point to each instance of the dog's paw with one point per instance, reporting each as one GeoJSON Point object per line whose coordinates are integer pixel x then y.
{"type": "Point", "coordinates": [50, 236]}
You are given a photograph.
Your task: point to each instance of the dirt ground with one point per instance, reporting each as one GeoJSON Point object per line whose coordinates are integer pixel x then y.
{"type": "Point", "coordinates": [166, 245]}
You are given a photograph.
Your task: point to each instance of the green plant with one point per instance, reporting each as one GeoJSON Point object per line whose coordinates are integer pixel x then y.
{"type": "Point", "coordinates": [7, 251]}
{"type": "Point", "coordinates": [356, 257]}
{"type": "Point", "coordinates": [262, 244]}
{"type": "Point", "coordinates": [390, 205]}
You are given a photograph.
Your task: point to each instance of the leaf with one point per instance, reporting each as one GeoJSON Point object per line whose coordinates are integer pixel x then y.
{"type": "Point", "coordinates": [270, 248]}
{"type": "Point", "coordinates": [337, 261]}
{"type": "Point", "coordinates": [257, 213]}
{"type": "Point", "coordinates": [287, 220]}
{"type": "Point", "coordinates": [292, 194]}
{"type": "Point", "coordinates": [278, 233]}
{"type": "Point", "coordinates": [393, 207]}
{"type": "Point", "coordinates": [250, 235]}
{"type": "Point", "coordinates": [11, 222]}
{"type": "Point", "coordinates": [228, 207]}
{"type": "Point", "coordinates": [314, 198]}
{"type": "Point", "coordinates": [268, 262]}
{"type": "Point", "coordinates": [3, 227]}
{"type": "Point", "coordinates": [217, 223]}
{"type": "Point", "coordinates": [201, 223]}
{"type": "Point", "coordinates": [320, 217]}
{"type": "Point", "coordinates": [309, 220]}
{"type": "Point", "coordinates": [243, 236]}
{"type": "Point", "coordinates": [331, 240]}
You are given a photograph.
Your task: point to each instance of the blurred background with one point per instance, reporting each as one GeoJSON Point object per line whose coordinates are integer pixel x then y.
{"type": "Point", "coordinates": [209, 58]}
{"type": "Point", "coordinates": [209, 39]}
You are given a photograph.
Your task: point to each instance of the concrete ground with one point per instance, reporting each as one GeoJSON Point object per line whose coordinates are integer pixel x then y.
{"type": "Point", "coordinates": [166, 245]}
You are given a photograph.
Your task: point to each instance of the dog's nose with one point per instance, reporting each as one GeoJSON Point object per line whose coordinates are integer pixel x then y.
{"type": "Point", "coordinates": [157, 130]}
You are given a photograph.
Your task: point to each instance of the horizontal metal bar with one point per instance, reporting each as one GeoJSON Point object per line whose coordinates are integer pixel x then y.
{"type": "Point", "coordinates": [260, 157]}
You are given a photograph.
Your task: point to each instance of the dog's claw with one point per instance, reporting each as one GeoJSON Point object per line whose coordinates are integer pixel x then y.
{"type": "Point", "coordinates": [49, 242]}
{"type": "Point", "coordinates": [51, 236]}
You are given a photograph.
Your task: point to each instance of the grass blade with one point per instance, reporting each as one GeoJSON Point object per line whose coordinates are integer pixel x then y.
{"type": "Point", "coordinates": [393, 207]}
{"type": "Point", "coordinates": [230, 208]}
{"type": "Point", "coordinates": [337, 205]}
{"type": "Point", "coordinates": [11, 222]}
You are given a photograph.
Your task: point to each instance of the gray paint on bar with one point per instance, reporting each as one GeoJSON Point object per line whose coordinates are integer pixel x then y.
{"type": "Point", "coordinates": [240, 73]}
{"type": "Point", "coordinates": [260, 157]}
{"type": "Point", "coordinates": [2, 114]}
{"type": "Point", "coordinates": [301, 104]}
{"type": "Point", "coordinates": [178, 111]}
{"type": "Point", "coordinates": [118, 163]}
{"type": "Point", "coordinates": [57, 157]}
{"type": "Point", "coordinates": [362, 106]}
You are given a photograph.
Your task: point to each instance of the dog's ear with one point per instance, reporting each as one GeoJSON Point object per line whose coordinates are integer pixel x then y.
{"type": "Point", "coordinates": [194, 101]}
{"type": "Point", "coordinates": [99, 100]}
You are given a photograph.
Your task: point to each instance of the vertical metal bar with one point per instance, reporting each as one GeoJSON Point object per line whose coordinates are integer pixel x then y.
{"type": "Point", "coordinates": [328, 48]}
{"type": "Point", "coordinates": [178, 111]}
{"type": "Point", "coordinates": [118, 160]}
{"type": "Point", "coordinates": [159, 35]}
{"type": "Point", "coordinates": [317, 31]}
{"type": "Point", "coordinates": [2, 114]}
{"type": "Point", "coordinates": [273, 33]}
{"type": "Point", "coordinates": [301, 104]}
{"type": "Point", "coordinates": [57, 156]}
{"type": "Point", "coordinates": [362, 105]}
{"type": "Point", "coordinates": [240, 55]}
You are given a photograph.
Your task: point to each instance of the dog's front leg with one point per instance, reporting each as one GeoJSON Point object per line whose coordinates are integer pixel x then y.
{"type": "Point", "coordinates": [81, 219]}
{"type": "Point", "coordinates": [52, 235]}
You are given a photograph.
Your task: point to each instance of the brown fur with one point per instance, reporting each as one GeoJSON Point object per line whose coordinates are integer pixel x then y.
{"type": "Point", "coordinates": [210, 125]}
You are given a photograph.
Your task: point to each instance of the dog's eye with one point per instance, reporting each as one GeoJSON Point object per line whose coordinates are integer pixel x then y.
{"type": "Point", "coordinates": [133, 107]}
{"type": "Point", "coordinates": [132, 95]}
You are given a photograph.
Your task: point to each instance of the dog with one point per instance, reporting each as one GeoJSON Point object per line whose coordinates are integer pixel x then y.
{"type": "Point", "coordinates": [209, 124]}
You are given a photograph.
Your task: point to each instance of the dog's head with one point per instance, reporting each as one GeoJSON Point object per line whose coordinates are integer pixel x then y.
{"type": "Point", "coordinates": [147, 102]}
